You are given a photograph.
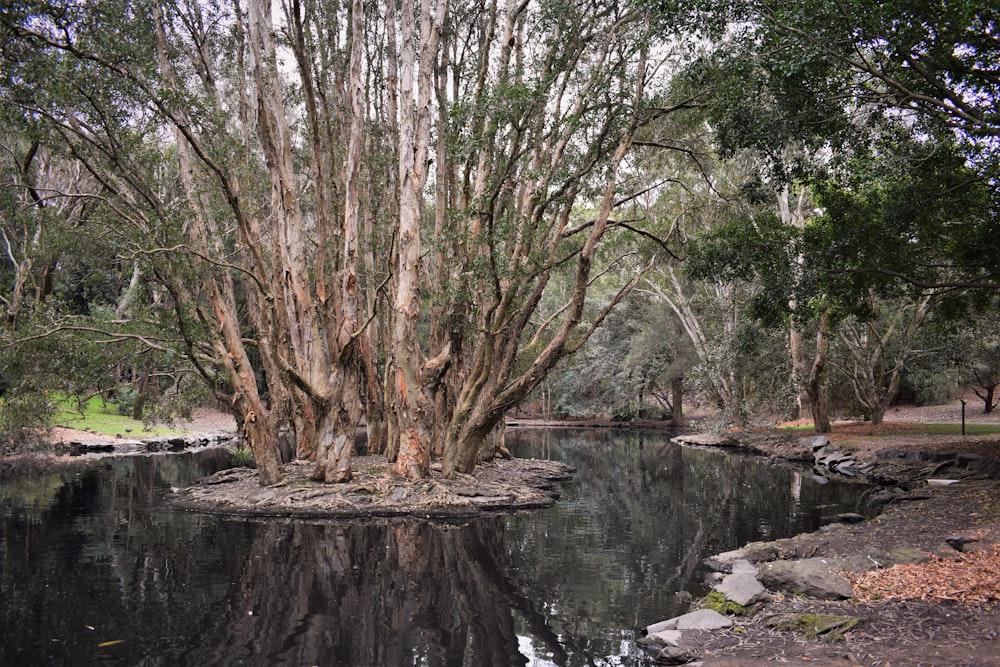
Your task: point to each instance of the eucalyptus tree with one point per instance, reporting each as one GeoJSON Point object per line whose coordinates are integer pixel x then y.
{"type": "Point", "coordinates": [639, 356]}
{"type": "Point", "coordinates": [833, 76]}
{"type": "Point", "coordinates": [117, 89]}
{"type": "Point", "coordinates": [84, 325]}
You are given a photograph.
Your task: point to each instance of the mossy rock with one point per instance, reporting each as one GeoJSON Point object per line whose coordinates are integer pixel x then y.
{"type": "Point", "coordinates": [815, 625]}
{"type": "Point", "coordinates": [716, 601]}
{"type": "Point", "coordinates": [910, 556]}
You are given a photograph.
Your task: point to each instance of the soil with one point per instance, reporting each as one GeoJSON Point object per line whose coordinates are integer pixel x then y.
{"type": "Point", "coordinates": [375, 491]}
{"type": "Point", "coordinates": [942, 611]}
{"type": "Point", "coordinates": [925, 614]}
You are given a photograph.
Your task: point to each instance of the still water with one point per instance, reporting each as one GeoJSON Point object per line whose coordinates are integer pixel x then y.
{"type": "Point", "coordinates": [95, 568]}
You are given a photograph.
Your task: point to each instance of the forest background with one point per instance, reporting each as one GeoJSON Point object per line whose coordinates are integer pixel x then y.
{"type": "Point", "coordinates": [427, 214]}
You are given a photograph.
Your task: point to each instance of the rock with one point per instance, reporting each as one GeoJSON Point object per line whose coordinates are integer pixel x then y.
{"type": "Point", "coordinates": [844, 517]}
{"type": "Point", "coordinates": [909, 556]}
{"type": "Point", "coordinates": [91, 447]}
{"type": "Point", "coordinates": [813, 625]}
{"type": "Point", "coordinates": [671, 655]}
{"type": "Point", "coordinates": [884, 497]}
{"type": "Point", "coordinates": [869, 559]}
{"type": "Point", "coordinates": [811, 576]}
{"type": "Point", "coordinates": [742, 588]}
{"type": "Point", "coordinates": [830, 459]}
{"type": "Point", "coordinates": [958, 542]}
{"type": "Point", "coordinates": [701, 619]}
{"type": "Point", "coordinates": [705, 440]}
{"type": "Point", "coordinates": [667, 637]}
{"type": "Point", "coordinates": [744, 566]}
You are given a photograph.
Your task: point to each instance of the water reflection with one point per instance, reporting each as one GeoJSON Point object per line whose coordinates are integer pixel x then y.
{"type": "Point", "coordinates": [93, 567]}
{"type": "Point", "coordinates": [639, 518]}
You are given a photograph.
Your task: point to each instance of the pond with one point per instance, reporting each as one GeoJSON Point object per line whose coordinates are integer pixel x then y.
{"type": "Point", "coordinates": [96, 568]}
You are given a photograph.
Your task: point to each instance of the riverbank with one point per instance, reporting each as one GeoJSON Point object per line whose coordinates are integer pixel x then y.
{"type": "Point", "coordinates": [924, 571]}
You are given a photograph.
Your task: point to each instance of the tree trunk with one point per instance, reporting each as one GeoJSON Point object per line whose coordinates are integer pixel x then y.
{"type": "Point", "coordinates": [261, 433]}
{"type": "Point", "coordinates": [677, 402]}
{"type": "Point", "coordinates": [335, 433]}
{"type": "Point", "coordinates": [800, 378]}
{"type": "Point", "coordinates": [140, 397]}
{"type": "Point", "coordinates": [814, 388]}
{"type": "Point", "coordinates": [410, 402]}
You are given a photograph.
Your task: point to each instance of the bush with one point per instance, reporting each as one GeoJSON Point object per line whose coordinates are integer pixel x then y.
{"type": "Point", "coordinates": [243, 457]}
{"type": "Point", "coordinates": [23, 416]}
{"type": "Point", "coordinates": [125, 399]}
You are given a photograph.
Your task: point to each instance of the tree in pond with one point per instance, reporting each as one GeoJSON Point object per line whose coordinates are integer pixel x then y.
{"type": "Point", "coordinates": [250, 187]}
{"type": "Point", "coordinates": [536, 111]}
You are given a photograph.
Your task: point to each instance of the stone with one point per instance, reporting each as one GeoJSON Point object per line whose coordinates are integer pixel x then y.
{"type": "Point", "coordinates": [959, 542]}
{"type": "Point", "coordinates": [667, 637]}
{"type": "Point", "coordinates": [828, 458]}
{"type": "Point", "coordinates": [671, 655]}
{"type": "Point", "coordinates": [909, 556]}
{"type": "Point", "coordinates": [705, 440]}
{"type": "Point", "coordinates": [869, 559]}
{"type": "Point", "coordinates": [810, 576]}
{"type": "Point", "coordinates": [701, 619]}
{"type": "Point", "coordinates": [742, 588]}
{"type": "Point", "coordinates": [844, 517]}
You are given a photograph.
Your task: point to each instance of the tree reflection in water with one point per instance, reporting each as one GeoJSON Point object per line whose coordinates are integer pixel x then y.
{"type": "Point", "coordinates": [406, 593]}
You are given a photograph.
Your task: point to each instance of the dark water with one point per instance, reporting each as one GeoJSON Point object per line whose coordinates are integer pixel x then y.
{"type": "Point", "coordinates": [95, 569]}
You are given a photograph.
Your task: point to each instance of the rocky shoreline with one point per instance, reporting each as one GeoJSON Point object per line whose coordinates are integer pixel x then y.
{"type": "Point", "coordinates": [147, 445]}
{"type": "Point", "coordinates": [793, 599]}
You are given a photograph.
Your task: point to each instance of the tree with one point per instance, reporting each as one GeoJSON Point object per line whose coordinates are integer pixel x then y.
{"type": "Point", "coordinates": [252, 194]}
{"type": "Point", "coordinates": [810, 89]}
{"type": "Point", "coordinates": [879, 349]}
{"type": "Point", "coordinates": [967, 351]}
{"type": "Point", "coordinates": [526, 184]}
{"type": "Point", "coordinates": [849, 78]}
{"type": "Point", "coordinates": [638, 353]}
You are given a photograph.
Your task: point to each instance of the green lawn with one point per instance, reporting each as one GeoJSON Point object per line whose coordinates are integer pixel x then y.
{"type": "Point", "coordinates": [923, 429]}
{"type": "Point", "coordinates": [103, 418]}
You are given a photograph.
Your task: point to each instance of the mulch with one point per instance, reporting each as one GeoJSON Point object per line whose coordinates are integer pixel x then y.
{"type": "Point", "coordinates": [944, 611]}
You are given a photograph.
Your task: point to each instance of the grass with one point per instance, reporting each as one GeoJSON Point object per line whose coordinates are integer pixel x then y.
{"type": "Point", "coordinates": [103, 418]}
{"type": "Point", "coordinates": [919, 428]}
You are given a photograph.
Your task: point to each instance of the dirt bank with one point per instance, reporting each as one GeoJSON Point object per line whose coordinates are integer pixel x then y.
{"type": "Point", "coordinates": [943, 610]}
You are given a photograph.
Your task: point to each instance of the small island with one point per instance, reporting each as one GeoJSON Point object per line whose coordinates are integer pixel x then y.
{"type": "Point", "coordinates": [375, 491]}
